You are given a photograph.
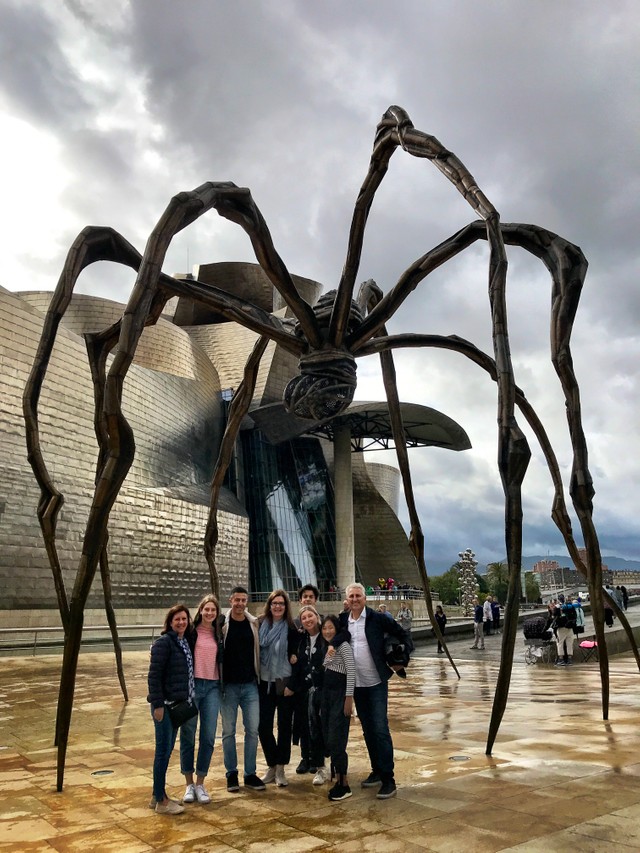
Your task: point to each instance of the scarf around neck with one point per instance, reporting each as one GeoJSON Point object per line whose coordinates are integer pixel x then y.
{"type": "Point", "coordinates": [274, 662]}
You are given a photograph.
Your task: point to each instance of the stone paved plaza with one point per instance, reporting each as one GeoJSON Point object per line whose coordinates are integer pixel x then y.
{"type": "Point", "coordinates": [560, 778]}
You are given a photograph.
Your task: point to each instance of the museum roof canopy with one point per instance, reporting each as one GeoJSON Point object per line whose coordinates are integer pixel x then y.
{"type": "Point", "coordinates": [370, 426]}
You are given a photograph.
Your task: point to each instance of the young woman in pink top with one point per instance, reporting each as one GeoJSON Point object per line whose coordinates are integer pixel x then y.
{"type": "Point", "coordinates": [206, 669]}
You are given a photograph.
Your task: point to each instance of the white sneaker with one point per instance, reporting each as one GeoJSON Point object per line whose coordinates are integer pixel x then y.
{"type": "Point", "coordinates": [171, 807]}
{"type": "Point", "coordinates": [269, 776]}
{"type": "Point", "coordinates": [281, 779]}
{"type": "Point", "coordinates": [321, 776]}
{"type": "Point", "coordinates": [201, 795]}
{"type": "Point", "coordinates": [189, 794]}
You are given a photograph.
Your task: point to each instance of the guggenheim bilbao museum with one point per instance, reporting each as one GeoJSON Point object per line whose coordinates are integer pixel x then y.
{"type": "Point", "coordinates": [279, 513]}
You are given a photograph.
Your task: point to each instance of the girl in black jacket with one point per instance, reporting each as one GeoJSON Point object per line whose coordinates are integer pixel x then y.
{"type": "Point", "coordinates": [306, 681]}
{"type": "Point", "coordinates": [170, 680]}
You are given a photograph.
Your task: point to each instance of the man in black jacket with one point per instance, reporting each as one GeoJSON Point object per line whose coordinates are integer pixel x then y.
{"type": "Point", "coordinates": [369, 630]}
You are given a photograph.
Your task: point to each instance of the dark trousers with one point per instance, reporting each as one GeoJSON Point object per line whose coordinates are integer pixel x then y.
{"type": "Point", "coordinates": [275, 751]}
{"type": "Point", "coordinates": [335, 726]}
{"type": "Point", "coordinates": [316, 737]}
{"type": "Point", "coordinates": [371, 705]}
{"type": "Point", "coordinates": [301, 723]}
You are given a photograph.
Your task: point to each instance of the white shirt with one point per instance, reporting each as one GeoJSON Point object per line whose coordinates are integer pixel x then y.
{"type": "Point", "coordinates": [366, 672]}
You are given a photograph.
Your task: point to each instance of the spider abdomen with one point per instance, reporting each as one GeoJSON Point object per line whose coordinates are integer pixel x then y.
{"type": "Point", "coordinates": [325, 386]}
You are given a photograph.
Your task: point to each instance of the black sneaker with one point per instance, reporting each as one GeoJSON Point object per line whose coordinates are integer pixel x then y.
{"type": "Point", "coordinates": [233, 786]}
{"type": "Point", "coordinates": [339, 792]}
{"type": "Point", "coordinates": [313, 768]}
{"type": "Point", "coordinates": [254, 783]}
{"type": "Point", "coordinates": [372, 781]}
{"type": "Point", "coordinates": [303, 767]}
{"type": "Point", "coordinates": [387, 790]}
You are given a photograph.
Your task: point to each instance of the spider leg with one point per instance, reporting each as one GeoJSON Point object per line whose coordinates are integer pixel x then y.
{"type": "Point", "coordinates": [237, 205]}
{"type": "Point", "coordinates": [236, 309]}
{"type": "Point", "coordinates": [559, 512]}
{"type": "Point", "coordinates": [92, 244]}
{"type": "Point", "coordinates": [410, 279]}
{"type": "Point", "coordinates": [368, 295]}
{"type": "Point", "coordinates": [416, 538]}
{"type": "Point", "coordinates": [396, 130]}
{"type": "Point", "coordinates": [238, 409]}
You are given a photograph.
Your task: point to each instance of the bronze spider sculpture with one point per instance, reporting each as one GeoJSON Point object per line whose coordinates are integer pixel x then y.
{"type": "Point", "coordinates": [327, 338]}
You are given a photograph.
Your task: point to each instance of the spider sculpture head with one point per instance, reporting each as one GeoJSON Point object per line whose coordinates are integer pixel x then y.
{"type": "Point", "coordinates": [327, 380]}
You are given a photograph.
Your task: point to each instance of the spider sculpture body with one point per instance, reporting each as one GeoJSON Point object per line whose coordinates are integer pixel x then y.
{"type": "Point", "coordinates": [327, 339]}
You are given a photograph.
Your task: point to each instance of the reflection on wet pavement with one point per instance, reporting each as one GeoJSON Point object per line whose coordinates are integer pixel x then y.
{"type": "Point", "coordinates": [560, 778]}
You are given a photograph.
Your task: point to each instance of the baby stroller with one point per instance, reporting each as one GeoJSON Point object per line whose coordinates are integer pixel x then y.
{"type": "Point", "coordinates": [539, 644]}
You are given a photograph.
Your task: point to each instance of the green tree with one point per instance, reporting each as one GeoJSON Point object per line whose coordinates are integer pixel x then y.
{"type": "Point", "coordinates": [483, 586]}
{"type": "Point", "coordinates": [498, 580]}
{"type": "Point", "coordinates": [531, 587]}
{"type": "Point", "coordinates": [447, 585]}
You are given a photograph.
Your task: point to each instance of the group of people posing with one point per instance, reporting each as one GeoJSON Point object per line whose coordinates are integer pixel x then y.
{"type": "Point", "coordinates": [304, 676]}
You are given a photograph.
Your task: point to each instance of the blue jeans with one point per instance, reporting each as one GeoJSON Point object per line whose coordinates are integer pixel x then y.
{"type": "Point", "coordinates": [371, 705]}
{"type": "Point", "coordinates": [245, 697]}
{"type": "Point", "coordinates": [208, 702]}
{"type": "Point", "coordinates": [165, 741]}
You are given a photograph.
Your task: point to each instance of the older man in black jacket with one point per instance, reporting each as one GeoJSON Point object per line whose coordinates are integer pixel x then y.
{"type": "Point", "coordinates": [369, 631]}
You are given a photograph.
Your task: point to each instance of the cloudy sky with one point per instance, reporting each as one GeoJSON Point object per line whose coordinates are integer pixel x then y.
{"type": "Point", "coordinates": [103, 119]}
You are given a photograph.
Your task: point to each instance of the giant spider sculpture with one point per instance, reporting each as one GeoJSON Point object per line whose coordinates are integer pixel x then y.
{"type": "Point", "coordinates": [327, 339]}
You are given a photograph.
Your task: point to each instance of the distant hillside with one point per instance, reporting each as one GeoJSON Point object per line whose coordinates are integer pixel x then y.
{"type": "Point", "coordinates": [614, 563]}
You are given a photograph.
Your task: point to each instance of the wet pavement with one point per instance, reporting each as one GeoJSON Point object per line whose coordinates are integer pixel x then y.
{"type": "Point", "coordinates": [560, 779]}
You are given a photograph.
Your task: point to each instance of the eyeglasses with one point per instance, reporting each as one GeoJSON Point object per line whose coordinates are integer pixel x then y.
{"type": "Point", "coordinates": [277, 603]}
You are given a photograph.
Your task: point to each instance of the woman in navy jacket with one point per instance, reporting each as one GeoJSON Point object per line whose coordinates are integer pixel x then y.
{"type": "Point", "coordinates": [170, 680]}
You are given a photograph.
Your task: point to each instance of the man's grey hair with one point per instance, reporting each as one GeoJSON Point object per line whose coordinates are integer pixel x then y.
{"type": "Point", "coordinates": [356, 586]}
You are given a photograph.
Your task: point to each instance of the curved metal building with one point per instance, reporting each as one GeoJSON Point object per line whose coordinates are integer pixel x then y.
{"type": "Point", "coordinates": [277, 514]}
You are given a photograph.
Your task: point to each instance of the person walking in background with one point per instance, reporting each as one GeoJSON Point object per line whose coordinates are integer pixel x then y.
{"type": "Point", "coordinates": [487, 616]}
{"type": "Point", "coordinates": [478, 616]}
{"type": "Point", "coordinates": [383, 609]}
{"type": "Point", "coordinates": [278, 645]}
{"type": "Point", "coordinates": [608, 609]}
{"type": "Point", "coordinates": [441, 619]}
{"type": "Point", "coordinates": [625, 596]}
{"type": "Point", "coordinates": [495, 615]}
{"type": "Point", "coordinates": [240, 673]}
{"type": "Point", "coordinates": [336, 703]}
{"type": "Point", "coordinates": [207, 659]}
{"type": "Point", "coordinates": [563, 625]}
{"type": "Point", "coordinates": [404, 617]}
{"type": "Point", "coordinates": [578, 628]}
{"type": "Point", "coordinates": [170, 680]}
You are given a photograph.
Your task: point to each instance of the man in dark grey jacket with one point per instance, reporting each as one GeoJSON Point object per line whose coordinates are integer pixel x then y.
{"type": "Point", "coordinates": [369, 631]}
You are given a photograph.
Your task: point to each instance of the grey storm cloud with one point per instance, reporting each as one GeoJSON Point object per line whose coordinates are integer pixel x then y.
{"type": "Point", "coordinates": [540, 102]}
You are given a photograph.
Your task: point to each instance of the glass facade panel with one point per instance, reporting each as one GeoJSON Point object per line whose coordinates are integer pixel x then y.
{"type": "Point", "coordinates": [289, 497]}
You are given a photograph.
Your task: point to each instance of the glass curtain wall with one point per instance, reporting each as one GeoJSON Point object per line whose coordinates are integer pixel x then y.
{"type": "Point", "coordinates": [289, 497]}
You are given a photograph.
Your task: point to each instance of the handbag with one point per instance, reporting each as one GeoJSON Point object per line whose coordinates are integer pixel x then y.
{"type": "Point", "coordinates": [181, 711]}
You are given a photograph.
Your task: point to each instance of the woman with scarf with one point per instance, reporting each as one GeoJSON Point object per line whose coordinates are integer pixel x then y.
{"type": "Point", "coordinates": [278, 644]}
{"type": "Point", "coordinates": [170, 680]}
